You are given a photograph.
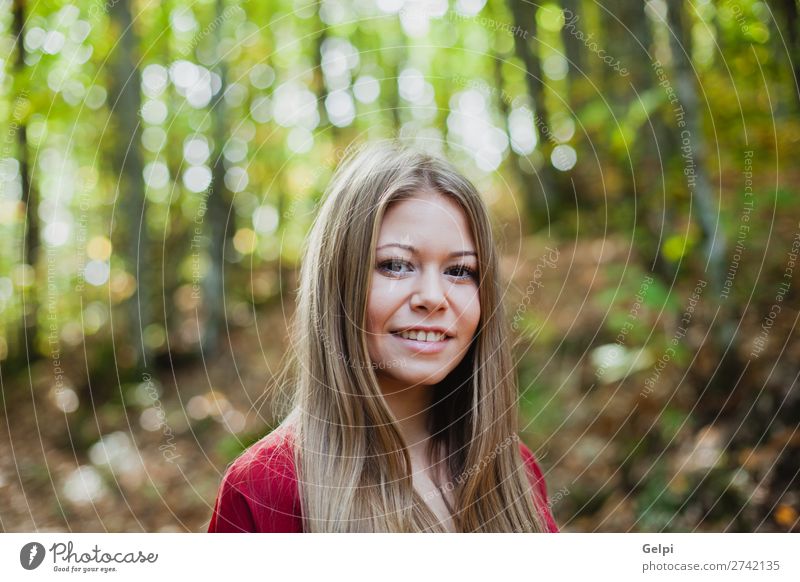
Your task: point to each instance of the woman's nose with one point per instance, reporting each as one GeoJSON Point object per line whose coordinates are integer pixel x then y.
{"type": "Point", "coordinates": [430, 292]}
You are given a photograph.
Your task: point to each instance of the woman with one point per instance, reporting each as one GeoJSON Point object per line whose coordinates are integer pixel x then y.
{"type": "Point", "coordinates": [405, 412]}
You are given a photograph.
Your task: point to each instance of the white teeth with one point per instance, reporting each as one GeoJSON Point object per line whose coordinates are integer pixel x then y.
{"type": "Point", "coordinates": [422, 336]}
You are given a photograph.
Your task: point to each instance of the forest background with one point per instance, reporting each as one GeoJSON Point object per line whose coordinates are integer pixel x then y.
{"type": "Point", "coordinates": [161, 163]}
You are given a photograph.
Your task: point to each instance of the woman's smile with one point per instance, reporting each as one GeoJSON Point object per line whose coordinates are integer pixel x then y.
{"type": "Point", "coordinates": [417, 344]}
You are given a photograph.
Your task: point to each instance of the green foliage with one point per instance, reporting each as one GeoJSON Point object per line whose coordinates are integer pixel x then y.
{"type": "Point", "coordinates": [659, 504]}
{"type": "Point", "coordinates": [231, 446]}
{"type": "Point", "coordinates": [672, 421]}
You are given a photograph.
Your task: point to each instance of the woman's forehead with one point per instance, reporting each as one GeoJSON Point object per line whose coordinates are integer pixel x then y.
{"type": "Point", "coordinates": [426, 223]}
{"type": "Point", "coordinates": [425, 211]}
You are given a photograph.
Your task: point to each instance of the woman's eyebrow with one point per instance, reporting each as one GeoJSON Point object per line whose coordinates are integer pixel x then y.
{"type": "Point", "coordinates": [414, 250]}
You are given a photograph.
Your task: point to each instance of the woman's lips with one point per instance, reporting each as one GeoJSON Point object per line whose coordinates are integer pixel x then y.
{"type": "Point", "coordinates": [422, 347]}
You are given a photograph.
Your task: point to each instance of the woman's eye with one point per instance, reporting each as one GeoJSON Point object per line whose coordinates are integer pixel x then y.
{"type": "Point", "coordinates": [393, 265]}
{"type": "Point", "coordinates": [464, 271]}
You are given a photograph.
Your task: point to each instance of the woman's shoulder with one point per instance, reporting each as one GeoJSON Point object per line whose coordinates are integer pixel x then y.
{"type": "Point", "coordinates": [531, 464]}
{"type": "Point", "coordinates": [259, 489]}
{"type": "Point", "coordinates": [269, 457]}
{"type": "Point", "coordinates": [537, 480]}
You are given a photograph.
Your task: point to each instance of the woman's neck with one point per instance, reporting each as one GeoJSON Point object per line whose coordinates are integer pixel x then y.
{"type": "Point", "coordinates": [411, 407]}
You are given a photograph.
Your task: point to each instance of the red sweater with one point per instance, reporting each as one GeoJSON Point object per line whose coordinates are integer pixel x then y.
{"type": "Point", "coordinates": [259, 491]}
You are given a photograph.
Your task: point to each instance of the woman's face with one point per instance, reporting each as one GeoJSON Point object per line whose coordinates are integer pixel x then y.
{"type": "Point", "coordinates": [423, 307]}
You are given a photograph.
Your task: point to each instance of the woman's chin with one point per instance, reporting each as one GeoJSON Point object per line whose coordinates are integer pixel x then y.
{"type": "Point", "coordinates": [414, 374]}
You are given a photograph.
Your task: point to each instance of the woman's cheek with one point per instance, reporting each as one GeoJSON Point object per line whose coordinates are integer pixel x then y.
{"type": "Point", "coordinates": [470, 309]}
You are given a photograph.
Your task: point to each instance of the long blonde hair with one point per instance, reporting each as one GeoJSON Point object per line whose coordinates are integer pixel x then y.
{"type": "Point", "coordinates": [352, 464]}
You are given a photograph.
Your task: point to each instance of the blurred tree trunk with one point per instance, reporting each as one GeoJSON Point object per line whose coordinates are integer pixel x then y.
{"type": "Point", "coordinates": [704, 212]}
{"type": "Point", "coordinates": [171, 253]}
{"type": "Point", "coordinates": [129, 224]}
{"type": "Point", "coordinates": [26, 350]}
{"type": "Point", "coordinates": [218, 218]}
{"type": "Point", "coordinates": [702, 193]}
{"type": "Point", "coordinates": [321, 88]}
{"type": "Point", "coordinates": [573, 48]}
{"type": "Point", "coordinates": [393, 61]}
{"type": "Point", "coordinates": [547, 199]}
{"type": "Point", "coordinates": [786, 20]}
{"type": "Point", "coordinates": [504, 102]}
{"type": "Point", "coordinates": [627, 40]}
{"type": "Point", "coordinates": [654, 141]}
{"type": "Point", "coordinates": [529, 191]}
